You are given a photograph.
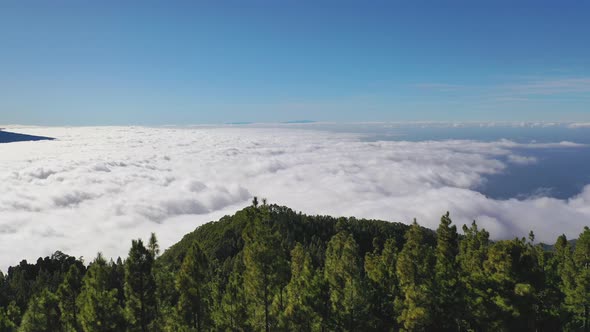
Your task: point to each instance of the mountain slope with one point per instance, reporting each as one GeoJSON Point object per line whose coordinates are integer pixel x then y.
{"type": "Point", "coordinates": [223, 239]}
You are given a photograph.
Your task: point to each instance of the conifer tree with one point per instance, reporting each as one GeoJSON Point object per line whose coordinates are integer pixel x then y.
{"type": "Point", "coordinates": [140, 288]}
{"type": "Point", "coordinates": [153, 246]}
{"type": "Point", "coordinates": [67, 294]}
{"type": "Point", "coordinates": [193, 289]}
{"type": "Point", "coordinates": [565, 263]}
{"type": "Point", "coordinates": [566, 273]}
{"type": "Point", "coordinates": [549, 311]}
{"type": "Point", "coordinates": [299, 314]}
{"type": "Point", "coordinates": [42, 314]}
{"type": "Point", "coordinates": [232, 314]}
{"type": "Point", "coordinates": [10, 317]}
{"type": "Point", "coordinates": [167, 297]}
{"type": "Point", "coordinates": [380, 269]}
{"type": "Point", "coordinates": [448, 308]}
{"type": "Point", "coordinates": [343, 273]}
{"type": "Point", "coordinates": [116, 279]}
{"type": "Point", "coordinates": [264, 262]}
{"type": "Point", "coordinates": [473, 250]}
{"type": "Point", "coordinates": [414, 269]}
{"type": "Point", "coordinates": [509, 270]}
{"type": "Point", "coordinates": [99, 308]}
{"type": "Point", "coordinates": [580, 298]}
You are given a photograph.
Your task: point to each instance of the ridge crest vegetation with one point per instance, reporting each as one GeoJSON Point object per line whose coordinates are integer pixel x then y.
{"type": "Point", "coordinates": [269, 268]}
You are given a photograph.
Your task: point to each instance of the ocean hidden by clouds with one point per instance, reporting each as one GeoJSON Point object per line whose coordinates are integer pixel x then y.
{"type": "Point", "coordinates": [96, 188]}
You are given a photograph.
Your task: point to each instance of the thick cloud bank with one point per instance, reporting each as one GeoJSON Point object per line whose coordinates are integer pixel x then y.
{"type": "Point", "coordinates": [96, 188]}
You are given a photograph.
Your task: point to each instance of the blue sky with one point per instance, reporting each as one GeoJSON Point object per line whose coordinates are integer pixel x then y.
{"type": "Point", "coordinates": [189, 62]}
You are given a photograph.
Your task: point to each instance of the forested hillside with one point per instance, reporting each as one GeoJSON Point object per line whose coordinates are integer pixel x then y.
{"type": "Point", "coordinates": [268, 268]}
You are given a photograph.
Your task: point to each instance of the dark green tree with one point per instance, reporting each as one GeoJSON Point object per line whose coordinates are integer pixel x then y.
{"type": "Point", "coordinates": [566, 274]}
{"type": "Point", "coordinates": [193, 288]}
{"type": "Point", "coordinates": [232, 313]}
{"type": "Point", "coordinates": [140, 288]}
{"type": "Point", "coordinates": [343, 272]}
{"type": "Point", "coordinates": [42, 314]}
{"type": "Point", "coordinates": [384, 285]}
{"type": "Point", "coordinates": [10, 317]}
{"type": "Point", "coordinates": [264, 266]}
{"type": "Point", "coordinates": [548, 312]}
{"type": "Point", "coordinates": [68, 293]}
{"type": "Point", "coordinates": [299, 314]}
{"type": "Point", "coordinates": [98, 304]}
{"type": "Point", "coordinates": [415, 272]}
{"type": "Point", "coordinates": [447, 302]}
{"type": "Point", "coordinates": [579, 299]}
{"type": "Point", "coordinates": [153, 246]}
{"type": "Point", "coordinates": [509, 270]}
{"type": "Point", "coordinates": [473, 250]}
{"type": "Point", "coordinates": [116, 279]}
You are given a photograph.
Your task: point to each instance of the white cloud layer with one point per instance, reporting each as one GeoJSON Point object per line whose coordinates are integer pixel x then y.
{"type": "Point", "coordinates": [96, 188]}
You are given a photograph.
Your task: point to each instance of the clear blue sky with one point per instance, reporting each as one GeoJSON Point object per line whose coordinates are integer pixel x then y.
{"type": "Point", "coordinates": [180, 62]}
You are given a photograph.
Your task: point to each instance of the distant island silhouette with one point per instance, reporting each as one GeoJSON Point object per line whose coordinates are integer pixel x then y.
{"type": "Point", "coordinates": [8, 137]}
{"type": "Point", "coordinates": [299, 121]}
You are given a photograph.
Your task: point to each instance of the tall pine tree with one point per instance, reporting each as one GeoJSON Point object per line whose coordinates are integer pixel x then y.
{"type": "Point", "coordinates": [384, 285]}
{"type": "Point", "coordinates": [448, 307]}
{"type": "Point", "coordinates": [98, 304]}
{"type": "Point", "coordinates": [193, 289]}
{"type": "Point", "coordinates": [42, 314]}
{"type": "Point", "coordinates": [232, 313]}
{"type": "Point", "coordinates": [580, 298]}
{"type": "Point", "coordinates": [414, 270]}
{"type": "Point", "coordinates": [299, 314]}
{"type": "Point", "coordinates": [67, 294]}
{"type": "Point", "coordinates": [473, 250]}
{"type": "Point", "coordinates": [264, 261]}
{"type": "Point", "coordinates": [343, 273]}
{"type": "Point", "coordinates": [140, 288]}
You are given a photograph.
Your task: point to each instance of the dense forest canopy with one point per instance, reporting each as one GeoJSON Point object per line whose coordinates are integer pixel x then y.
{"type": "Point", "coordinates": [268, 268]}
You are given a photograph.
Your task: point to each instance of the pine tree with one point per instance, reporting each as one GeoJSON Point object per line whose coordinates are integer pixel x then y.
{"type": "Point", "coordinates": [42, 314]}
{"type": "Point", "coordinates": [343, 273]}
{"type": "Point", "coordinates": [140, 288]}
{"type": "Point", "coordinates": [9, 317]}
{"type": "Point", "coordinates": [549, 312]}
{"type": "Point", "coordinates": [414, 269]}
{"type": "Point", "coordinates": [566, 273]}
{"type": "Point", "coordinates": [166, 296]}
{"type": "Point", "coordinates": [473, 250]}
{"type": "Point", "coordinates": [448, 306]}
{"type": "Point", "coordinates": [98, 304]}
{"type": "Point", "coordinates": [299, 314]}
{"type": "Point", "coordinates": [153, 246]}
{"type": "Point", "coordinates": [67, 294]}
{"type": "Point", "coordinates": [264, 261]}
{"type": "Point", "coordinates": [380, 269]}
{"type": "Point", "coordinates": [581, 297]}
{"type": "Point", "coordinates": [232, 313]}
{"type": "Point", "coordinates": [116, 279]}
{"type": "Point", "coordinates": [511, 288]}
{"type": "Point", "coordinates": [192, 286]}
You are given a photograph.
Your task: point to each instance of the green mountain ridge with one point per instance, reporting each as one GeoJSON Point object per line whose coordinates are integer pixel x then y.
{"type": "Point", "coordinates": [223, 238]}
{"type": "Point", "coordinates": [269, 268]}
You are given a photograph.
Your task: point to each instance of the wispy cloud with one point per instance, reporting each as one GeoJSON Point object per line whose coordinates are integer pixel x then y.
{"type": "Point", "coordinates": [518, 90]}
{"type": "Point", "coordinates": [440, 87]}
{"type": "Point", "coordinates": [550, 86]}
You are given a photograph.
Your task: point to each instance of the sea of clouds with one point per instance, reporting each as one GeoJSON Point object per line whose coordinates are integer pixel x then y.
{"type": "Point", "coordinates": [96, 188]}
